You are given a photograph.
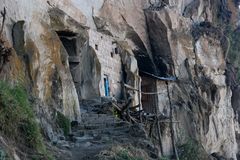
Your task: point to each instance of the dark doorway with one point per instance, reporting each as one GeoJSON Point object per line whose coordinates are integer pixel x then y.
{"type": "Point", "coordinates": [69, 42]}
{"type": "Point", "coordinates": [106, 86]}
{"type": "Point", "coordinates": [18, 38]}
{"type": "Point", "coordinates": [149, 101]}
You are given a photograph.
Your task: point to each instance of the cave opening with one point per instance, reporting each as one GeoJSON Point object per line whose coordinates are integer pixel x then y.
{"type": "Point", "coordinates": [18, 38]}
{"type": "Point", "coordinates": [144, 62]}
{"type": "Point", "coordinates": [213, 93]}
{"type": "Point", "coordinates": [20, 46]}
{"type": "Point", "coordinates": [69, 41]}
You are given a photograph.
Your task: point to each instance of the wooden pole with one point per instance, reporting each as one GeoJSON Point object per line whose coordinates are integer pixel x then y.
{"type": "Point", "coordinates": [146, 93]}
{"type": "Point", "coordinates": [159, 136]}
{"type": "Point", "coordinates": [171, 124]}
{"type": "Point", "coordinates": [140, 97]}
{"type": "Point", "coordinates": [139, 93]}
{"type": "Point", "coordinates": [158, 129]}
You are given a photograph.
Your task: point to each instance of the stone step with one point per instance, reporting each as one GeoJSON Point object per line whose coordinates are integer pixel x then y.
{"type": "Point", "coordinates": [95, 123]}
{"type": "Point", "coordinates": [99, 117]}
{"type": "Point", "coordinates": [92, 126]}
{"type": "Point", "coordinates": [108, 131]}
{"type": "Point", "coordinates": [100, 120]}
{"type": "Point", "coordinates": [82, 139]}
{"type": "Point", "coordinates": [100, 139]}
{"type": "Point", "coordinates": [122, 128]}
{"type": "Point", "coordinates": [92, 115]}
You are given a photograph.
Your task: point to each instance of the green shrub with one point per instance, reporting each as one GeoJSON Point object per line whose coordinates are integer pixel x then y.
{"type": "Point", "coordinates": [116, 113]}
{"type": "Point", "coordinates": [192, 150]}
{"type": "Point", "coordinates": [126, 152]}
{"type": "Point", "coordinates": [64, 123]}
{"type": "Point", "coordinates": [234, 37]}
{"type": "Point", "coordinates": [126, 155]}
{"type": "Point", "coordinates": [17, 119]}
{"type": "Point", "coordinates": [164, 158]}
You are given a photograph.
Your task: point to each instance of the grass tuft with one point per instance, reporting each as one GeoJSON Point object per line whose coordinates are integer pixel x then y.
{"type": "Point", "coordinates": [126, 155]}
{"type": "Point", "coordinates": [64, 123]}
{"type": "Point", "coordinates": [127, 152]}
{"type": "Point", "coordinates": [164, 158]}
{"type": "Point", "coordinates": [192, 150]}
{"type": "Point", "coordinates": [17, 119]}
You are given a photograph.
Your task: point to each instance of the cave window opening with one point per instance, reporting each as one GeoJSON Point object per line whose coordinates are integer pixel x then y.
{"type": "Point", "coordinates": [96, 47]}
{"type": "Point", "coordinates": [116, 50]}
{"type": "Point", "coordinates": [213, 93]}
{"type": "Point", "coordinates": [69, 42]}
{"type": "Point", "coordinates": [112, 54]}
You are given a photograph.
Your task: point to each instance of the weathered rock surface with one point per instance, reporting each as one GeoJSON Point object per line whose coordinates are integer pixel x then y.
{"type": "Point", "coordinates": [39, 50]}
{"type": "Point", "coordinates": [201, 95]}
{"type": "Point", "coordinates": [179, 38]}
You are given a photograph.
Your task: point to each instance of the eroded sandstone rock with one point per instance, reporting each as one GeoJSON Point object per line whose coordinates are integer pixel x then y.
{"type": "Point", "coordinates": [178, 39]}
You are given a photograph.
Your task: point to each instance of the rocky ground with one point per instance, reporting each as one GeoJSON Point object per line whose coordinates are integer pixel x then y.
{"type": "Point", "coordinates": [98, 133]}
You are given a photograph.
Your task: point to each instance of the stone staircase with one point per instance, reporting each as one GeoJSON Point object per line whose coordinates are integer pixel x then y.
{"type": "Point", "coordinates": [99, 128]}
{"type": "Point", "coordinates": [98, 132]}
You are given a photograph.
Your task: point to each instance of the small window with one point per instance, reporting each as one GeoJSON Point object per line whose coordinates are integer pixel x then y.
{"type": "Point", "coordinates": [96, 47]}
{"type": "Point", "coordinates": [116, 50]}
{"type": "Point", "coordinates": [112, 54]}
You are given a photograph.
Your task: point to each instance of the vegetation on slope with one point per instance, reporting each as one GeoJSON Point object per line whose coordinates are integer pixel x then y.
{"type": "Point", "coordinates": [234, 49]}
{"type": "Point", "coordinates": [64, 123]}
{"type": "Point", "coordinates": [192, 150]}
{"type": "Point", "coordinates": [226, 19]}
{"type": "Point", "coordinates": [17, 119]}
{"type": "Point", "coordinates": [127, 152]}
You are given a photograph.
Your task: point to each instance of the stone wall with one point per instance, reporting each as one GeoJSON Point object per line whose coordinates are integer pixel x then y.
{"type": "Point", "coordinates": [111, 65]}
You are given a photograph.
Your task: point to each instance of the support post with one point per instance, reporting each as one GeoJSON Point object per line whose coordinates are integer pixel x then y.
{"type": "Point", "coordinates": [171, 124]}
{"type": "Point", "coordinates": [139, 93]}
{"type": "Point", "coordinates": [159, 136]}
{"type": "Point", "coordinates": [158, 128]}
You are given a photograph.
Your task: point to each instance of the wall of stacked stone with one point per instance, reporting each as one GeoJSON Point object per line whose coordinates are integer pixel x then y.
{"type": "Point", "coordinates": [110, 61]}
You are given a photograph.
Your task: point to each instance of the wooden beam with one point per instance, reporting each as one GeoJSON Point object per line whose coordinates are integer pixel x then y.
{"type": "Point", "coordinates": [146, 93]}
{"type": "Point", "coordinates": [172, 78]}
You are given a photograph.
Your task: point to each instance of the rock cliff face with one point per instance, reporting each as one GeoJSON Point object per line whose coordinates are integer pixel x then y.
{"type": "Point", "coordinates": [182, 41]}
{"type": "Point", "coordinates": [178, 38]}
